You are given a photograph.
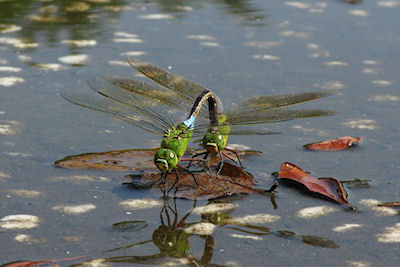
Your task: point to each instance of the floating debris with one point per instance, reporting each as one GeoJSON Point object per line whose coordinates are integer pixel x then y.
{"type": "Point", "coordinates": [138, 204]}
{"type": "Point", "coordinates": [341, 143]}
{"type": "Point", "coordinates": [315, 212]}
{"type": "Point", "coordinates": [331, 85]}
{"type": "Point", "coordinates": [10, 81]}
{"type": "Point", "coordinates": [4, 175]}
{"type": "Point", "coordinates": [202, 228]}
{"type": "Point", "coordinates": [76, 209]}
{"type": "Point", "coordinates": [19, 221]}
{"type": "Point", "coordinates": [251, 237]}
{"type": "Point", "coordinates": [79, 179]}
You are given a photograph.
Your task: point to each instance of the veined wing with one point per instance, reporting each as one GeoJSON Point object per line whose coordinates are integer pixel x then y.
{"type": "Point", "coordinates": [270, 116]}
{"type": "Point", "coordinates": [159, 94]}
{"type": "Point", "coordinates": [186, 89]}
{"type": "Point", "coordinates": [150, 108]}
{"type": "Point", "coordinates": [117, 110]}
{"type": "Point", "coordinates": [268, 102]}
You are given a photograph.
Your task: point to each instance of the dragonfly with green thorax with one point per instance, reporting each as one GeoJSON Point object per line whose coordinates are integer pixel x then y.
{"type": "Point", "coordinates": [177, 91]}
{"type": "Point", "coordinates": [152, 116]}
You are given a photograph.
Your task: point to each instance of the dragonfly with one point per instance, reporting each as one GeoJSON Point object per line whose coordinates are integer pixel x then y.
{"type": "Point", "coordinates": [151, 116]}
{"type": "Point", "coordinates": [177, 91]}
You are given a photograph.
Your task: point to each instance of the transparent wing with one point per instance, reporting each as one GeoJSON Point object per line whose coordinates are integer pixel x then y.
{"type": "Point", "coordinates": [116, 110]}
{"type": "Point", "coordinates": [267, 102]}
{"type": "Point", "coordinates": [186, 89]}
{"type": "Point", "coordinates": [159, 94]}
{"type": "Point", "coordinates": [271, 116]}
{"type": "Point", "coordinates": [150, 108]}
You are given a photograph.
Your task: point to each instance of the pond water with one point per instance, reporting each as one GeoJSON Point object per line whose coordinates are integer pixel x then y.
{"type": "Point", "coordinates": [238, 49]}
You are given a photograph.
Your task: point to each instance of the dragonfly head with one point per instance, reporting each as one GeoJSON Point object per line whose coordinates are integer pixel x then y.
{"type": "Point", "coordinates": [165, 159]}
{"type": "Point", "coordinates": [214, 141]}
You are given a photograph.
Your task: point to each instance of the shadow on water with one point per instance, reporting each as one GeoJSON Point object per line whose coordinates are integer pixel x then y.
{"type": "Point", "coordinates": [172, 237]}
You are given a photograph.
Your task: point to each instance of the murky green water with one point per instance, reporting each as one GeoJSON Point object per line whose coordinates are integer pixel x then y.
{"type": "Point", "coordinates": [238, 49]}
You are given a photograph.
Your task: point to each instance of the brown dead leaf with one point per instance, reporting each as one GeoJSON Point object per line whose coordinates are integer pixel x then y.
{"type": "Point", "coordinates": [335, 144]}
{"type": "Point", "coordinates": [328, 187]}
{"type": "Point", "coordinates": [123, 160]}
{"type": "Point", "coordinates": [115, 160]}
{"type": "Point", "coordinates": [231, 180]}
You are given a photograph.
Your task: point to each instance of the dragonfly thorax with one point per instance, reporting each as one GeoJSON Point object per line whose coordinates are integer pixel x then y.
{"type": "Point", "coordinates": [165, 159]}
{"type": "Point", "coordinates": [177, 139]}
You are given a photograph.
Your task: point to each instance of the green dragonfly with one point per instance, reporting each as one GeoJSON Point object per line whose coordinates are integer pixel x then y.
{"type": "Point", "coordinates": [149, 115]}
{"type": "Point", "coordinates": [177, 91]}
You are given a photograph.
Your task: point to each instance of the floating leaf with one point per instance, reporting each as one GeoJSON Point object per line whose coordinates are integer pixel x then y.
{"type": "Point", "coordinates": [129, 225]}
{"type": "Point", "coordinates": [335, 144]}
{"type": "Point", "coordinates": [390, 204]}
{"type": "Point", "coordinates": [328, 187]}
{"type": "Point", "coordinates": [231, 180]}
{"type": "Point", "coordinates": [121, 160]}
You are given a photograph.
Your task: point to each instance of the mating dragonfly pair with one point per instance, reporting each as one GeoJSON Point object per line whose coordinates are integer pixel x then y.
{"type": "Point", "coordinates": [158, 109]}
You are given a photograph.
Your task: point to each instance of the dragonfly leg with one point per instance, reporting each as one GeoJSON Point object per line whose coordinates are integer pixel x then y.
{"type": "Point", "coordinates": [186, 169]}
{"type": "Point", "coordinates": [196, 155]}
{"type": "Point", "coordinates": [236, 154]}
{"type": "Point", "coordinates": [221, 163]}
{"type": "Point", "coordinates": [176, 181]}
{"type": "Point", "coordinates": [163, 178]}
{"type": "Point", "coordinates": [204, 161]}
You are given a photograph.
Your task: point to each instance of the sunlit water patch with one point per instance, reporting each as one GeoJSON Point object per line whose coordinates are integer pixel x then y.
{"type": "Point", "coordinates": [25, 193]}
{"type": "Point", "coordinates": [9, 69]}
{"type": "Point", "coordinates": [19, 221]}
{"type": "Point", "coordinates": [382, 211]}
{"type": "Point", "coordinates": [363, 124]}
{"type": "Point", "coordinates": [75, 59]}
{"type": "Point", "coordinates": [390, 235]}
{"type": "Point", "coordinates": [9, 127]}
{"type": "Point", "coordinates": [7, 28]}
{"type": "Point", "coordinates": [358, 13]}
{"type": "Point", "coordinates": [138, 204]}
{"type": "Point", "coordinates": [315, 212]}
{"type": "Point", "coordinates": [78, 179]}
{"type": "Point", "coordinates": [75, 209]}
{"type": "Point", "coordinates": [80, 43]}
{"type": "Point", "coordinates": [389, 4]}
{"type": "Point", "coordinates": [203, 228]}
{"type": "Point", "coordinates": [10, 81]}
{"type": "Point", "coordinates": [156, 16]}
{"type": "Point", "coordinates": [256, 218]}
{"type": "Point", "coordinates": [27, 239]}
{"type": "Point", "coordinates": [381, 82]}
{"type": "Point", "coordinates": [214, 208]}
{"type": "Point", "coordinates": [347, 227]}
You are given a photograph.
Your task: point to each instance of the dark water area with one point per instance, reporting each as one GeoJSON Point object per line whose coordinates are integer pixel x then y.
{"type": "Point", "coordinates": [237, 49]}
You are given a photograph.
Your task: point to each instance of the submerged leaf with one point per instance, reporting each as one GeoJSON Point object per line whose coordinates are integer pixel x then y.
{"type": "Point", "coordinates": [122, 160]}
{"type": "Point", "coordinates": [328, 187]}
{"type": "Point", "coordinates": [317, 241]}
{"type": "Point", "coordinates": [335, 144]}
{"type": "Point", "coordinates": [231, 180]}
{"type": "Point", "coordinates": [129, 225]}
{"type": "Point", "coordinates": [41, 262]}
